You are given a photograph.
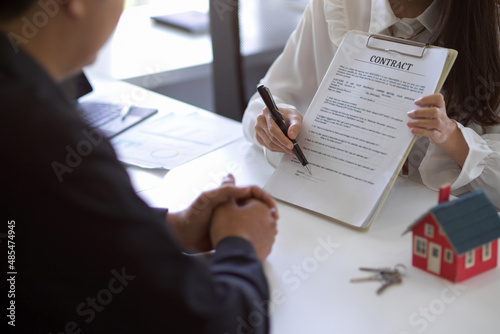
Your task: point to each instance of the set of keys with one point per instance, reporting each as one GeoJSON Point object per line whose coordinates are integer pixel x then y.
{"type": "Point", "coordinates": [387, 276]}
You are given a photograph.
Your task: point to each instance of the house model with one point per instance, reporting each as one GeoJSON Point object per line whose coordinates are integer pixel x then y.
{"type": "Point", "coordinates": [457, 239]}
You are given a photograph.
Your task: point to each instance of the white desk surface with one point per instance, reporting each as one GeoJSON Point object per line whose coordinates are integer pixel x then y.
{"type": "Point", "coordinates": [310, 281]}
{"type": "Point", "coordinates": [313, 258]}
{"type": "Point", "coordinates": [110, 90]}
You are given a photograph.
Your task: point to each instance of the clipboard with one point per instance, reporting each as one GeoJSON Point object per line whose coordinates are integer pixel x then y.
{"type": "Point", "coordinates": [421, 48]}
{"type": "Point", "coordinates": [339, 115]}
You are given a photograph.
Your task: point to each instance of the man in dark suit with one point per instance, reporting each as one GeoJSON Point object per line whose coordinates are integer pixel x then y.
{"type": "Point", "coordinates": [88, 255]}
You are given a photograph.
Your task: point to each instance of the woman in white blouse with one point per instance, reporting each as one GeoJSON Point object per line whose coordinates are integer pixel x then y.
{"type": "Point", "coordinates": [459, 134]}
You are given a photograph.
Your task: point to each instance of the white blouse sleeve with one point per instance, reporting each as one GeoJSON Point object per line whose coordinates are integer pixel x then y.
{"type": "Point", "coordinates": [480, 171]}
{"type": "Point", "coordinates": [295, 75]}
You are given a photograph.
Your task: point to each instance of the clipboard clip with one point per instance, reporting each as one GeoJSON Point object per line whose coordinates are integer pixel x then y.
{"type": "Point", "coordinates": [423, 46]}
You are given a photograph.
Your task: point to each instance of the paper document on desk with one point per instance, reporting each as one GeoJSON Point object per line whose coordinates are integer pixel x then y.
{"type": "Point", "coordinates": [354, 133]}
{"type": "Point", "coordinates": [173, 139]}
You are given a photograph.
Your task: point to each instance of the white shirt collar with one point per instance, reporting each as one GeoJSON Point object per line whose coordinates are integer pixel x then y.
{"type": "Point", "coordinates": [374, 16]}
{"type": "Point", "coordinates": [430, 16]}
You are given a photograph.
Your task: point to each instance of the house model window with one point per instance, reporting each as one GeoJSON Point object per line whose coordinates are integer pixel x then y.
{"type": "Point", "coordinates": [448, 255]}
{"type": "Point", "coordinates": [469, 258]}
{"type": "Point", "coordinates": [487, 252]}
{"type": "Point", "coordinates": [420, 246]}
{"type": "Point", "coordinates": [429, 230]}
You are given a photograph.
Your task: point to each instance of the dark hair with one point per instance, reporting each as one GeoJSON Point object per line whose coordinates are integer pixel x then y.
{"type": "Point", "coordinates": [10, 9]}
{"type": "Point", "coordinates": [472, 90]}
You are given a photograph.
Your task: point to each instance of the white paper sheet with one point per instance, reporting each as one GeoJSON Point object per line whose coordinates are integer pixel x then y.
{"type": "Point", "coordinates": [174, 139]}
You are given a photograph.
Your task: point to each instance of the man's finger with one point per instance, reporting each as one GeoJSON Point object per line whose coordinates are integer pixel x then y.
{"type": "Point", "coordinates": [228, 180]}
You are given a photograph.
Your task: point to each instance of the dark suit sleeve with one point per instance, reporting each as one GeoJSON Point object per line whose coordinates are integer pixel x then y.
{"type": "Point", "coordinates": [234, 260]}
{"type": "Point", "coordinates": [92, 257]}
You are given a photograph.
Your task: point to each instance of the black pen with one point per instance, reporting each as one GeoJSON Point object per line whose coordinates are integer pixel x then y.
{"type": "Point", "coordinates": [278, 118]}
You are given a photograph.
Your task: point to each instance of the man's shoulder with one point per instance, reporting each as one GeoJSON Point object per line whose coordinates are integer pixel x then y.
{"type": "Point", "coordinates": [31, 114]}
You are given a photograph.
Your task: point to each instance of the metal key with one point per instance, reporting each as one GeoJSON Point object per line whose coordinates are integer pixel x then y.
{"type": "Point", "coordinates": [376, 277]}
{"type": "Point", "coordinates": [387, 276]}
{"type": "Point", "coordinates": [388, 280]}
{"type": "Point", "coordinates": [377, 270]}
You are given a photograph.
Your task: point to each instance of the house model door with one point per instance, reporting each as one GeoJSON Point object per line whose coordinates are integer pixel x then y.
{"type": "Point", "coordinates": [434, 259]}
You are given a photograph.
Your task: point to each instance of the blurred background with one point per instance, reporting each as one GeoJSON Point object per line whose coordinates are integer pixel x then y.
{"type": "Point", "coordinates": [180, 64]}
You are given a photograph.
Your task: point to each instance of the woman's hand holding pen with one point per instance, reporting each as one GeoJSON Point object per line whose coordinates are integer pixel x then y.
{"type": "Point", "coordinates": [269, 135]}
{"type": "Point", "coordinates": [432, 121]}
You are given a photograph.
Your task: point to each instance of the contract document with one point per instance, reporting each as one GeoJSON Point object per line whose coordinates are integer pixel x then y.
{"type": "Point", "coordinates": [354, 133]}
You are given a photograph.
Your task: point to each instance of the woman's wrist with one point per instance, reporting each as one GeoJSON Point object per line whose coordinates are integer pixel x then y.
{"type": "Point", "coordinates": [455, 144]}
